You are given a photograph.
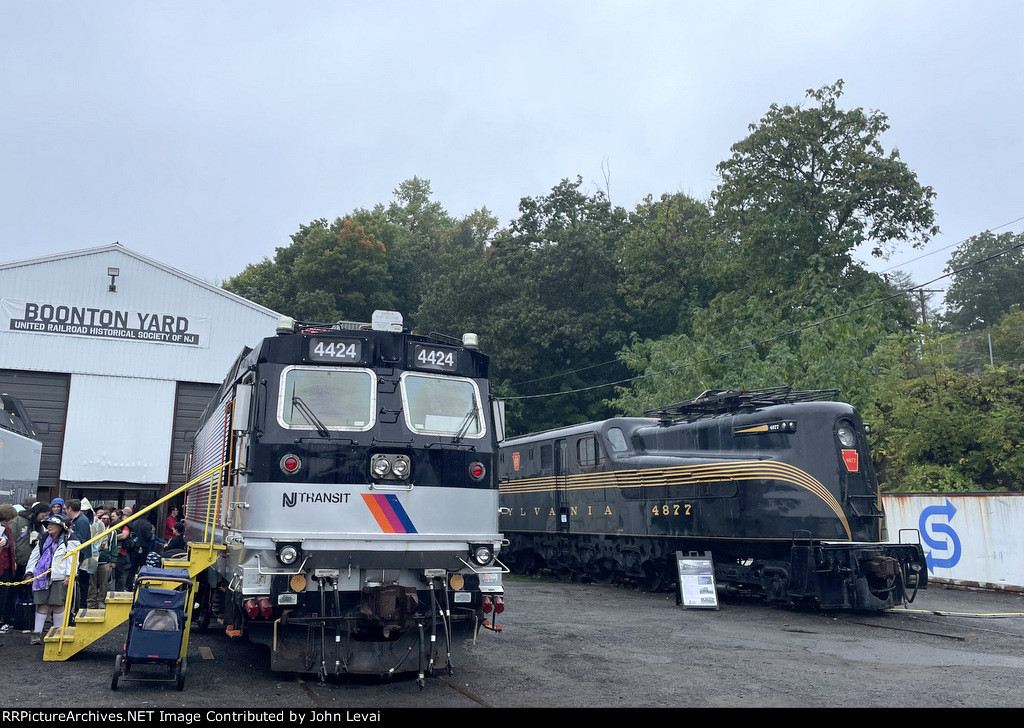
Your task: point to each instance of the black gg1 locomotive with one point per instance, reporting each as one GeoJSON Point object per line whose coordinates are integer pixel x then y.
{"type": "Point", "coordinates": [777, 485]}
{"type": "Point", "coordinates": [360, 514]}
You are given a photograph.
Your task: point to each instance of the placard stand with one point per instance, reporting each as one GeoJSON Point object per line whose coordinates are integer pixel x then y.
{"type": "Point", "coordinates": [696, 581]}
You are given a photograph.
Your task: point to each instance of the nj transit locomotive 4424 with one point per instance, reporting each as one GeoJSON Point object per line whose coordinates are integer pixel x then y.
{"type": "Point", "coordinates": [777, 485]}
{"type": "Point", "coordinates": [361, 515]}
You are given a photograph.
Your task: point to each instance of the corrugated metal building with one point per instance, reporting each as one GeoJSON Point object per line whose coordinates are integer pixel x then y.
{"type": "Point", "coordinates": [115, 356]}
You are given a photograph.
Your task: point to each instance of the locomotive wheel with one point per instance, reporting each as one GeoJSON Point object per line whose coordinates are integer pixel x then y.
{"type": "Point", "coordinates": [653, 576]}
{"type": "Point", "coordinates": [564, 573]}
{"type": "Point", "coordinates": [524, 562]}
{"type": "Point", "coordinates": [606, 573]}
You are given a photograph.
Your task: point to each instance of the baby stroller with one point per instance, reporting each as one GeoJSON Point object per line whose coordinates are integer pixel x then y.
{"type": "Point", "coordinates": [158, 627]}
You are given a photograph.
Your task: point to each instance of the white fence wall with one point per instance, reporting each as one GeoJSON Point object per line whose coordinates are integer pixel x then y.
{"type": "Point", "coordinates": [969, 539]}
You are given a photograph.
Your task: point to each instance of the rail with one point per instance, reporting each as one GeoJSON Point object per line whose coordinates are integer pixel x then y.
{"type": "Point", "coordinates": [216, 473]}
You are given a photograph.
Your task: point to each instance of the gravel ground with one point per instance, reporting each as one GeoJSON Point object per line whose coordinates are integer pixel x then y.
{"type": "Point", "coordinates": [597, 646]}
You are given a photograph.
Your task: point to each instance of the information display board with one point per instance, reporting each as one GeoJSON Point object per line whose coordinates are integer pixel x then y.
{"type": "Point", "coordinates": [696, 581]}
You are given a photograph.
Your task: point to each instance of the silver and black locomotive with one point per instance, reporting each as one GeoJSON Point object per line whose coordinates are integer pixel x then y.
{"type": "Point", "coordinates": [777, 485]}
{"type": "Point", "coordinates": [359, 516]}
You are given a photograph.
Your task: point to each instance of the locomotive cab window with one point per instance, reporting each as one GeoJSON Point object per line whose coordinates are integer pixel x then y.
{"type": "Point", "coordinates": [588, 452]}
{"type": "Point", "coordinates": [338, 399]}
{"type": "Point", "coordinates": [617, 440]}
{"type": "Point", "coordinates": [439, 405]}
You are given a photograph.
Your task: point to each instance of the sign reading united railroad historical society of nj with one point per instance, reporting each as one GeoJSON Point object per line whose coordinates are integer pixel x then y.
{"type": "Point", "coordinates": [34, 317]}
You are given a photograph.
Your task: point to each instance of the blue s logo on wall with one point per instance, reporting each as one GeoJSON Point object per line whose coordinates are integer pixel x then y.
{"type": "Point", "coordinates": [948, 542]}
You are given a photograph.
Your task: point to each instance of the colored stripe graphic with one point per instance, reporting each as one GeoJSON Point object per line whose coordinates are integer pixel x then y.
{"type": "Point", "coordinates": [389, 513]}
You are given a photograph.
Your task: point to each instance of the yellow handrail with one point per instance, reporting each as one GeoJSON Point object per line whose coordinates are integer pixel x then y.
{"type": "Point", "coordinates": [208, 532]}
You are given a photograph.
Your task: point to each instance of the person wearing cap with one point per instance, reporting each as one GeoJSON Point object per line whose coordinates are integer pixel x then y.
{"type": "Point", "coordinates": [57, 506]}
{"type": "Point", "coordinates": [49, 568]}
{"type": "Point", "coordinates": [73, 509]}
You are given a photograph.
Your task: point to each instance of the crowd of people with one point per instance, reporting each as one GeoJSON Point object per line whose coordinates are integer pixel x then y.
{"type": "Point", "coordinates": [36, 537]}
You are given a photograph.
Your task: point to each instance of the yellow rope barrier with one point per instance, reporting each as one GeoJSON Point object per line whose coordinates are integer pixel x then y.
{"type": "Point", "coordinates": [207, 532]}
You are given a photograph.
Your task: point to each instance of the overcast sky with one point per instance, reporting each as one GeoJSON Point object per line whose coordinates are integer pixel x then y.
{"type": "Point", "coordinates": [202, 134]}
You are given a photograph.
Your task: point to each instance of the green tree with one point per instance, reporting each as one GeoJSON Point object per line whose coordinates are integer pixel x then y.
{"type": "Point", "coordinates": [811, 184]}
{"type": "Point", "coordinates": [424, 242]}
{"type": "Point", "coordinates": [938, 429]}
{"type": "Point", "coordinates": [746, 342]}
{"type": "Point", "coordinates": [667, 263]}
{"type": "Point", "coordinates": [1001, 344]}
{"type": "Point", "coordinates": [805, 189]}
{"type": "Point", "coordinates": [988, 278]}
{"type": "Point", "coordinates": [545, 300]}
{"type": "Point", "coordinates": [331, 271]}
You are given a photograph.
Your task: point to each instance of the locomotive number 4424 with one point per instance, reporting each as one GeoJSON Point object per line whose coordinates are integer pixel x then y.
{"type": "Point", "coordinates": [327, 350]}
{"type": "Point", "coordinates": [433, 357]}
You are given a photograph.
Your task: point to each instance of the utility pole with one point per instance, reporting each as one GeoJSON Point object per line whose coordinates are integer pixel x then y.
{"type": "Point", "coordinates": [920, 295]}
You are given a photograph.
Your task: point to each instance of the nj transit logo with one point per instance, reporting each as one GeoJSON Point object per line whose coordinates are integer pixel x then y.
{"type": "Point", "coordinates": [939, 536]}
{"type": "Point", "coordinates": [387, 510]}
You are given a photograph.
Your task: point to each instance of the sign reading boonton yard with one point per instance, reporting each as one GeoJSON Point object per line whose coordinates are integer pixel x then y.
{"type": "Point", "coordinates": [44, 317]}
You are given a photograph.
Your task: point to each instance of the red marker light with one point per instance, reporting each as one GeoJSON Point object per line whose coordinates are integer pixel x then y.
{"type": "Point", "coordinates": [290, 464]}
{"type": "Point", "coordinates": [265, 608]}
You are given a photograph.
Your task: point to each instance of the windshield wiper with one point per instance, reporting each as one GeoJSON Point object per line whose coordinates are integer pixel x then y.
{"type": "Point", "coordinates": [472, 416]}
{"type": "Point", "coordinates": [310, 416]}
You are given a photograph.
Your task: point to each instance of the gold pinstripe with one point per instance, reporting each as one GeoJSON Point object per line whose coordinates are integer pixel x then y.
{"type": "Point", "coordinates": [679, 475]}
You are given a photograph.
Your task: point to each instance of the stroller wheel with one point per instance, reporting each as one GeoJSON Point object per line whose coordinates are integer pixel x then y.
{"type": "Point", "coordinates": [117, 671]}
{"type": "Point", "coordinates": [182, 665]}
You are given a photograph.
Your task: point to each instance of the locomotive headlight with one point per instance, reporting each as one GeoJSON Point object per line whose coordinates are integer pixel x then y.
{"type": "Point", "coordinates": [845, 434]}
{"type": "Point", "coordinates": [288, 553]}
{"type": "Point", "coordinates": [477, 471]}
{"type": "Point", "coordinates": [380, 466]}
{"type": "Point", "coordinates": [401, 467]}
{"type": "Point", "coordinates": [481, 554]}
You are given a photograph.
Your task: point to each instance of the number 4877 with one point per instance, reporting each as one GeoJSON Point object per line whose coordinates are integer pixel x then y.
{"type": "Point", "coordinates": [671, 509]}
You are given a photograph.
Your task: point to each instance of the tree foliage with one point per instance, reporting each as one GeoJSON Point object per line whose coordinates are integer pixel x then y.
{"type": "Point", "coordinates": [776, 297]}
{"type": "Point", "coordinates": [988, 278]}
{"type": "Point", "coordinates": [939, 429]}
{"type": "Point", "coordinates": [546, 293]}
{"type": "Point", "coordinates": [331, 271]}
{"type": "Point", "coordinates": [809, 185]}
{"type": "Point", "coordinates": [739, 342]}
{"type": "Point", "coordinates": [667, 263]}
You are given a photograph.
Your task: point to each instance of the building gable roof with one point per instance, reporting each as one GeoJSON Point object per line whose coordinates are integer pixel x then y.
{"type": "Point", "coordinates": [118, 248]}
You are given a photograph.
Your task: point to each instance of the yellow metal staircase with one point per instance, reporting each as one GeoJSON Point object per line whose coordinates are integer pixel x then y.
{"type": "Point", "coordinates": [63, 640]}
